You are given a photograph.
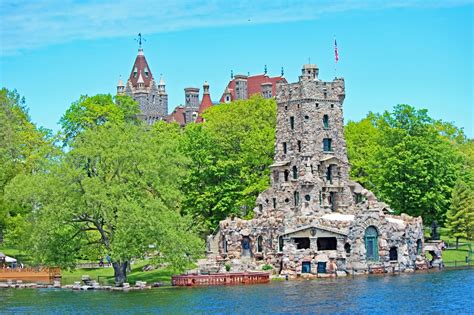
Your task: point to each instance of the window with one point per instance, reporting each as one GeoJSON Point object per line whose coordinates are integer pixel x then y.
{"type": "Point", "coordinates": [347, 248]}
{"type": "Point", "coordinates": [371, 243]}
{"type": "Point", "coordinates": [321, 267]}
{"type": "Point", "coordinates": [297, 198]}
{"type": "Point", "coordinates": [274, 203]}
{"type": "Point", "coordinates": [259, 244]}
{"type": "Point", "coordinates": [287, 174]}
{"type": "Point", "coordinates": [326, 121]}
{"type": "Point", "coordinates": [227, 98]}
{"type": "Point", "coordinates": [327, 145]}
{"type": "Point", "coordinates": [325, 94]}
{"type": "Point", "coordinates": [245, 246]}
{"type": "Point", "coordinates": [286, 107]}
{"type": "Point", "coordinates": [301, 242]}
{"type": "Point", "coordinates": [284, 147]}
{"type": "Point", "coordinates": [327, 243]}
{"type": "Point", "coordinates": [320, 198]}
{"type": "Point", "coordinates": [135, 72]}
{"type": "Point", "coordinates": [306, 117]}
{"type": "Point", "coordinates": [332, 105]}
{"type": "Point", "coordinates": [306, 267]}
{"type": "Point", "coordinates": [260, 207]}
{"type": "Point", "coordinates": [307, 197]}
{"type": "Point", "coordinates": [280, 243]}
{"type": "Point", "coordinates": [295, 172]}
{"type": "Point", "coordinates": [299, 145]}
{"type": "Point", "coordinates": [393, 254]}
{"type": "Point", "coordinates": [225, 246]}
{"type": "Point", "coordinates": [317, 105]}
{"type": "Point", "coordinates": [332, 200]}
{"type": "Point", "coordinates": [418, 247]}
{"type": "Point", "coordinates": [146, 72]}
{"type": "Point", "coordinates": [292, 123]}
{"type": "Point", "coordinates": [329, 174]}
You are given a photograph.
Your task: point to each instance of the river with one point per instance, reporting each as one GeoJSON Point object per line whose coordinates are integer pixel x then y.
{"type": "Point", "coordinates": [435, 292]}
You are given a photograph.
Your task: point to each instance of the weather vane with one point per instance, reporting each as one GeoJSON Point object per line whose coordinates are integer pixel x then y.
{"type": "Point", "coordinates": [140, 39]}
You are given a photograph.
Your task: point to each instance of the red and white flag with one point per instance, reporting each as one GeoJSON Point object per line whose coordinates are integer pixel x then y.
{"type": "Point", "coordinates": [336, 54]}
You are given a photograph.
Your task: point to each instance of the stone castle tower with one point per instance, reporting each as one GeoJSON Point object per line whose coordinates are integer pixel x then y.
{"type": "Point", "coordinates": [313, 219]}
{"type": "Point", "coordinates": [141, 86]}
{"type": "Point", "coordinates": [310, 167]}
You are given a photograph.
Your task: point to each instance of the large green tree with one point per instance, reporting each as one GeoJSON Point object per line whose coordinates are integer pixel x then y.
{"type": "Point", "coordinates": [116, 192]}
{"type": "Point", "coordinates": [24, 148]}
{"type": "Point", "coordinates": [91, 111]}
{"type": "Point", "coordinates": [230, 154]}
{"type": "Point", "coordinates": [460, 216]}
{"type": "Point", "coordinates": [410, 160]}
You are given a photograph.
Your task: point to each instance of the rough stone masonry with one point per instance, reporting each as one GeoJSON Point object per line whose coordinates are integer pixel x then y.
{"type": "Point", "coordinates": [313, 220]}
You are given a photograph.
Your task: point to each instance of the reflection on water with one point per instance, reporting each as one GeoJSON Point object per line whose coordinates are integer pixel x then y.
{"type": "Point", "coordinates": [449, 291]}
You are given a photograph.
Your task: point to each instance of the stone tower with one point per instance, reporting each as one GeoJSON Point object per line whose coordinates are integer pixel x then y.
{"type": "Point", "coordinates": [312, 219]}
{"type": "Point", "coordinates": [310, 173]}
{"type": "Point", "coordinates": [141, 86]}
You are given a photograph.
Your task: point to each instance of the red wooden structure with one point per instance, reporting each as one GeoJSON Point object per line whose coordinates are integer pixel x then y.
{"type": "Point", "coordinates": [220, 279]}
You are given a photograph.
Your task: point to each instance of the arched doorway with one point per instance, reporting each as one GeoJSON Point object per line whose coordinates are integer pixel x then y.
{"type": "Point", "coordinates": [246, 246]}
{"type": "Point", "coordinates": [371, 243]}
{"type": "Point", "coordinates": [259, 244]}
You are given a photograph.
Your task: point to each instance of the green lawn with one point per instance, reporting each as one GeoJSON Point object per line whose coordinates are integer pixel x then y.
{"type": "Point", "coordinates": [451, 255]}
{"type": "Point", "coordinates": [106, 275]}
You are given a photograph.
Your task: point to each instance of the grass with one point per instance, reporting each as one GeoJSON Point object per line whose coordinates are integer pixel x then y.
{"type": "Point", "coordinates": [451, 255]}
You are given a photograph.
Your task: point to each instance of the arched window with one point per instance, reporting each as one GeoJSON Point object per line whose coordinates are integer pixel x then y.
{"type": "Point", "coordinates": [371, 243]}
{"type": "Point", "coordinates": [287, 174]}
{"type": "Point", "coordinates": [259, 244]}
{"type": "Point", "coordinates": [225, 246]}
{"type": "Point", "coordinates": [326, 121]}
{"type": "Point", "coordinates": [295, 172]}
{"type": "Point", "coordinates": [347, 248]}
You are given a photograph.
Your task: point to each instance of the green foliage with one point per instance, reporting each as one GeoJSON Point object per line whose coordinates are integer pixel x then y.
{"type": "Point", "coordinates": [267, 267]}
{"type": "Point", "coordinates": [410, 161]}
{"type": "Point", "coordinates": [91, 111]}
{"type": "Point", "coordinates": [230, 154]}
{"type": "Point", "coordinates": [116, 192]}
{"type": "Point", "coordinates": [24, 148]}
{"type": "Point", "coordinates": [228, 267]}
{"type": "Point", "coordinates": [460, 216]}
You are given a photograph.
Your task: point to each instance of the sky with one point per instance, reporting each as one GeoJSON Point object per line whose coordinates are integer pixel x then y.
{"type": "Point", "coordinates": [390, 52]}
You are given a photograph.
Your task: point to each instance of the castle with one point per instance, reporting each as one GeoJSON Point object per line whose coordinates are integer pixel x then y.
{"type": "Point", "coordinates": [153, 99]}
{"type": "Point", "coordinates": [313, 220]}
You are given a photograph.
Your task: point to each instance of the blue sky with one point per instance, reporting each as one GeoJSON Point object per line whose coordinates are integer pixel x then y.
{"type": "Point", "coordinates": [391, 52]}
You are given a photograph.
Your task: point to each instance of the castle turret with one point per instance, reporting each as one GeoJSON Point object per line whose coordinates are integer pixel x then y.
{"type": "Point", "coordinates": [191, 96]}
{"type": "Point", "coordinates": [205, 103]}
{"type": "Point", "coordinates": [141, 86]}
{"type": "Point", "coordinates": [120, 87]}
{"type": "Point", "coordinates": [241, 87]}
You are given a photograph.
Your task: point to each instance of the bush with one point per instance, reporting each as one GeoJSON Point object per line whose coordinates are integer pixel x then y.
{"type": "Point", "coordinates": [267, 267]}
{"type": "Point", "coordinates": [227, 267]}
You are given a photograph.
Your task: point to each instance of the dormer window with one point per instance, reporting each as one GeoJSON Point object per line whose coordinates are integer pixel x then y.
{"type": "Point", "coordinates": [146, 72]}
{"type": "Point", "coordinates": [135, 72]}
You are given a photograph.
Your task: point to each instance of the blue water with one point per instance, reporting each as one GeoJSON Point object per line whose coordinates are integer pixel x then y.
{"type": "Point", "coordinates": [437, 292]}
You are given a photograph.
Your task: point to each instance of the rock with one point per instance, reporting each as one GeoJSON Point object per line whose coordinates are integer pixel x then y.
{"type": "Point", "coordinates": [341, 273]}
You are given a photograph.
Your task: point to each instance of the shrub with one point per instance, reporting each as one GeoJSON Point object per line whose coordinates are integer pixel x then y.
{"type": "Point", "coordinates": [227, 267]}
{"type": "Point", "coordinates": [267, 267]}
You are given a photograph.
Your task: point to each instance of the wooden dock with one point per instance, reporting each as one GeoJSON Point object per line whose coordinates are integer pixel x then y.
{"type": "Point", "coordinates": [220, 279]}
{"type": "Point", "coordinates": [30, 274]}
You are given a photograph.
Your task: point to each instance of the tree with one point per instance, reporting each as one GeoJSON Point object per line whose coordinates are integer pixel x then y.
{"type": "Point", "coordinates": [460, 216]}
{"type": "Point", "coordinates": [116, 192]}
{"type": "Point", "coordinates": [409, 160]}
{"type": "Point", "coordinates": [24, 148]}
{"type": "Point", "coordinates": [230, 156]}
{"type": "Point", "coordinates": [91, 111]}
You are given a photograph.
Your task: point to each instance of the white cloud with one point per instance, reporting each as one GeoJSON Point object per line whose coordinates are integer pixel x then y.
{"type": "Point", "coordinates": [27, 25]}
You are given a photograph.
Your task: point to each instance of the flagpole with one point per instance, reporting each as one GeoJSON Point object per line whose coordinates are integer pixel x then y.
{"type": "Point", "coordinates": [336, 57]}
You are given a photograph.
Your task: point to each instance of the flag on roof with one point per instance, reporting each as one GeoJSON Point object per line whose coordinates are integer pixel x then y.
{"type": "Point", "coordinates": [336, 54]}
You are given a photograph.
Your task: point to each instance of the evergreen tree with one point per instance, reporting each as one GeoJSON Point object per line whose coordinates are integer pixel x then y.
{"type": "Point", "coordinates": [460, 216]}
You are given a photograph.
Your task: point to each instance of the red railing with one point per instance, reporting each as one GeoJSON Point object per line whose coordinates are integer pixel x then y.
{"type": "Point", "coordinates": [220, 279]}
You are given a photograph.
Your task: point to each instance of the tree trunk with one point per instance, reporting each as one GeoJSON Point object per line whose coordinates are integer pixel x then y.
{"type": "Point", "coordinates": [457, 242]}
{"type": "Point", "coordinates": [120, 272]}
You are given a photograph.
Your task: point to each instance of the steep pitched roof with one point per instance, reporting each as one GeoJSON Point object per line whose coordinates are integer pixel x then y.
{"type": "Point", "coordinates": [205, 104]}
{"type": "Point", "coordinates": [254, 85]}
{"type": "Point", "coordinates": [143, 70]}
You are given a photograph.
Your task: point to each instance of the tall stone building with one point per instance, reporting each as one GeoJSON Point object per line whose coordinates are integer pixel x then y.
{"type": "Point", "coordinates": [141, 86]}
{"type": "Point", "coordinates": [313, 219]}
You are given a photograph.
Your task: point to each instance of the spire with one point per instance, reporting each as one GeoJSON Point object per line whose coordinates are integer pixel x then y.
{"type": "Point", "coordinates": [120, 86]}
{"type": "Point", "coordinates": [265, 70]}
{"type": "Point", "coordinates": [162, 81]}
{"type": "Point", "coordinates": [205, 103]}
{"type": "Point", "coordinates": [140, 69]}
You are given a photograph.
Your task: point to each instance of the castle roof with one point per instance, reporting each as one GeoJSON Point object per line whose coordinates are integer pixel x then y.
{"type": "Point", "coordinates": [205, 103]}
{"type": "Point", "coordinates": [140, 69]}
{"type": "Point", "coordinates": [177, 116]}
{"type": "Point", "coordinates": [254, 85]}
